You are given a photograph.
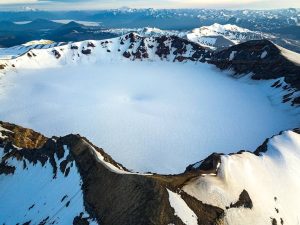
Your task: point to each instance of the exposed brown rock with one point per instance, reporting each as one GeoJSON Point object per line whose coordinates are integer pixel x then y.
{"type": "Point", "coordinates": [23, 137]}
{"type": "Point", "coordinates": [244, 201]}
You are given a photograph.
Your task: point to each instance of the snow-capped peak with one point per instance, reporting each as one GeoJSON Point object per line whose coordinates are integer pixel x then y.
{"type": "Point", "coordinates": [222, 36]}
{"type": "Point", "coordinates": [217, 29]}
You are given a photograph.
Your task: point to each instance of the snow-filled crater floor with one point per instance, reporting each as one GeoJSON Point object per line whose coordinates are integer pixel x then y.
{"type": "Point", "coordinates": [149, 116]}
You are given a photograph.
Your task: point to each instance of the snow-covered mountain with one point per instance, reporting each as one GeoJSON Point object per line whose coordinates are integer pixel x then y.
{"type": "Point", "coordinates": [216, 36]}
{"type": "Point", "coordinates": [74, 181]}
{"type": "Point", "coordinates": [221, 36]}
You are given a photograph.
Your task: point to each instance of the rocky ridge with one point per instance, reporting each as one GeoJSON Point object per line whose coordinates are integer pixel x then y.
{"type": "Point", "coordinates": [107, 186]}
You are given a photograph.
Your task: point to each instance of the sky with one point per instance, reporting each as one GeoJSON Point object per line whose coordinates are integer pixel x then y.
{"type": "Point", "coordinates": [104, 4]}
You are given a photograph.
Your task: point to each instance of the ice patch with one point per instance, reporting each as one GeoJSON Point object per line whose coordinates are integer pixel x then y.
{"type": "Point", "coordinates": [264, 54]}
{"type": "Point", "coordinates": [232, 55]}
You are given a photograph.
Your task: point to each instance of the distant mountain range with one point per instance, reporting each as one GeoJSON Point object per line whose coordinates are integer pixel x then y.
{"type": "Point", "coordinates": [263, 20]}
{"type": "Point", "coordinates": [216, 36]}
{"type": "Point", "coordinates": [12, 33]}
{"type": "Point", "coordinates": [200, 25]}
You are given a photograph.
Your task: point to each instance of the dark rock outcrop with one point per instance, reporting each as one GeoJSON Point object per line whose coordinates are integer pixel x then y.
{"type": "Point", "coordinates": [111, 197]}
{"type": "Point", "coordinates": [74, 47]}
{"type": "Point", "coordinates": [244, 201]}
{"type": "Point", "coordinates": [207, 166]}
{"type": "Point", "coordinates": [86, 51]}
{"type": "Point", "coordinates": [56, 53]}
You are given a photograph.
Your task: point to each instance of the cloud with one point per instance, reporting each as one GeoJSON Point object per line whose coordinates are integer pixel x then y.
{"type": "Point", "coordinates": [10, 2]}
{"type": "Point", "coordinates": [102, 4]}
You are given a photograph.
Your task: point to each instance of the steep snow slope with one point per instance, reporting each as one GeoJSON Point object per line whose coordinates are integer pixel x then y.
{"type": "Point", "coordinates": [175, 112]}
{"type": "Point", "coordinates": [271, 180]}
{"type": "Point", "coordinates": [36, 193]}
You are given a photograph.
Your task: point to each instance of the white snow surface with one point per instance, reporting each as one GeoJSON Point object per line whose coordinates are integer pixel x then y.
{"type": "Point", "coordinates": [41, 194]}
{"type": "Point", "coordinates": [150, 116]}
{"type": "Point", "coordinates": [272, 181]}
{"type": "Point", "coordinates": [181, 209]}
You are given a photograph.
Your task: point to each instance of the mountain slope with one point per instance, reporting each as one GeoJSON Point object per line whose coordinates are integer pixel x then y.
{"type": "Point", "coordinates": [263, 60]}
{"type": "Point", "coordinates": [130, 198]}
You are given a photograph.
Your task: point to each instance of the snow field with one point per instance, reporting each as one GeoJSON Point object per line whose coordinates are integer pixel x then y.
{"type": "Point", "coordinates": [149, 116]}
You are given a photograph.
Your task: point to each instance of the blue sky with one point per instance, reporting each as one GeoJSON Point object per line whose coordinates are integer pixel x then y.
{"type": "Point", "coordinates": [100, 4]}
